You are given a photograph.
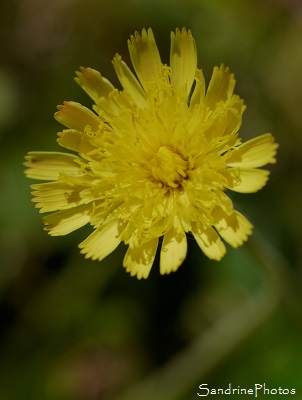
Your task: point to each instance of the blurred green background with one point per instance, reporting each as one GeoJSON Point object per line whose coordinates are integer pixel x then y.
{"type": "Point", "coordinates": [73, 329]}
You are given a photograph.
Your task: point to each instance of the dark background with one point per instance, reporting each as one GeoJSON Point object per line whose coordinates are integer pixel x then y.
{"type": "Point", "coordinates": [74, 329]}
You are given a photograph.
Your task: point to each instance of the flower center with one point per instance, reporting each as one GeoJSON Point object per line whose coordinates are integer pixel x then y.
{"type": "Point", "coordinates": [168, 167]}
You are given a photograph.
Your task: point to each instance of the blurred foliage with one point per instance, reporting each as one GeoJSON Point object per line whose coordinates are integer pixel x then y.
{"type": "Point", "coordinates": [75, 329]}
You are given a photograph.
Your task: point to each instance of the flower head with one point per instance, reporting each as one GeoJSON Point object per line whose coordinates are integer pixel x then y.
{"type": "Point", "coordinates": [152, 161]}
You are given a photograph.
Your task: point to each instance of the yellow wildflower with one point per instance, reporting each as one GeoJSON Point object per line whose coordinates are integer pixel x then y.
{"type": "Point", "coordinates": [153, 160]}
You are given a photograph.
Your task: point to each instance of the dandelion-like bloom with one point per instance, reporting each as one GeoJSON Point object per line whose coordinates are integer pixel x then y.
{"type": "Point", "coordinates": [153, 160]}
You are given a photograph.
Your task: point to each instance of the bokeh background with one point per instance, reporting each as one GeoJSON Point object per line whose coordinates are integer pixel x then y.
{"type": "Point", "coordinates": [73, 329]}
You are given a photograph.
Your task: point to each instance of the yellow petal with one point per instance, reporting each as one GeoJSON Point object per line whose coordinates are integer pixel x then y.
{"type": "Point", "coordinates": [102, 241]}
{"type": "Point", "coordinates": [94, 84]}
{"type": "Point", "coordinates": [129, 81]}
{"type": "Point", "coordinates": [76, 141]}
{"type": "Point", "coordinates": [183, 60]}
{"type": "Point", "coordinates": [234, 229]}
{"type": "Point", "coordinates": [173, 251]}
{"type": "Point", "coordinates": [75, 116]}
{"type": "Point", "coordinates": [54, 196]}
{"type": "Point", "coordinates": [198, 94]}
{"type": "Point", "coordinates": [221, 87]}
{"type": "Point", "coordinates": [209, 241]}
{"type": "Point", "coordinates": [145, 57]}
{"type": "Point", "coordinates": [47, 165]}
{"type": "Point", "coordinates": [246, 180]}
{"type": "Point", "coordinates": [138, 260]}
{"type": "Point", "coordinates": [107, 109]}
{"type": "Point", "coordinates": [255, 153]}
{"type": "Point", "coordinates": [66, 221]}
{"type": "Point", "coordinates": [224, 124]}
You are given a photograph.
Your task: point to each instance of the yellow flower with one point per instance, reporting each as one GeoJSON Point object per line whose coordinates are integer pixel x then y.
{"type": "Point", "coordinates": [153, 160]}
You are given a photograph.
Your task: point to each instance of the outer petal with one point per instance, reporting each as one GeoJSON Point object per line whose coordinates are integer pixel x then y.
{"type": "Point", "coordinates": [47, 165]}
{"type": "Point", "coordinates": [66, 221]}
{"type": "Point", "coordinates": [221, 86]}
{"type": "Point", "coordinates": [246, 180]}
{"type": "Point", "coordinates": [224, 123]}
{"type": "Point", "coordinates": [255, 153]}
{"type": "Point", "coordinates": [75, 116]}
{"type": "Point", "coordinates": [198, 94]}
{"type": "Point", "coordinates": [145, 57]}
{"type": "Point", "coordinates": [54, 196]}
{"type": "Point", "coordinates": [76, 141]}
{"type": "Point", "coordinates": [209, 241]}
{"type": "Point", "coordinates": [138, 260]}
{"type": "Point", "coordinates": [94, 84]}
{"type": "Point", "coordinates": [102, 241]}
{"type": "Point", "coordinates": [129, 81]}
{"type": "Point", "coordinates": [173, 251]}
{"type": "Point", "coordinates": [183, 60]}
{"type": "Point", "coordinates": [234, 229]}
{"type": "Point", "coordinates": [100, 90]}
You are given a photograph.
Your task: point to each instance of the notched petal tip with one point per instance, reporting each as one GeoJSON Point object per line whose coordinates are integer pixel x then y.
{"type": "Point", "coordinates": [181, 32]}
{"type": "Point", "coordinates": [129, 81]}
{"type": "Point", "coordinates": [145, 57]}
{"type": "Point", "coordinates": [183, 60]}
{"type": "Point", "coordinates": [93, 83]}
{"type": "Point", "coordinates": [209, 242]}
{"type": "Point", "coordinates": [173, 251]}
{"type": "Point", "coordinates": [139, 37]}
{"type": "Point", "coordinates": [138, 261]}
{"type": "Point", "coordinates": [47, 165]}
{"type": "Point", "coordinates": [64, 222]}
{"type": "Point", "coordinates": [75, 116]}
{"type": "Point", "coordinates": [246, 180]}
{"type": "Point", "coordinates": [221, 86]}
{"type": "Point", "coordinates": [235, 229]}
{"type": "Point", "coordinates": [101, 242]}
{"type": "Point", "coordinates": [255, 153]}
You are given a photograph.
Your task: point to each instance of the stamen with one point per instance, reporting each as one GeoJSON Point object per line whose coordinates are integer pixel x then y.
{"type": "Point", "coordinates": [168, 167]}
